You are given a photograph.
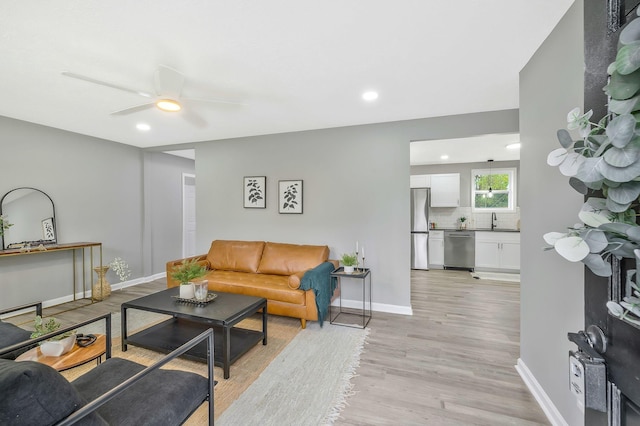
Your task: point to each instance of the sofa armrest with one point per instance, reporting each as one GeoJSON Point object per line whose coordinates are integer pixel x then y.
{"type": "Point", "coordinates": [201, 259]}
{"type": "Point", "coordinates": [106, 397]}
{"type": "Point", "coordinates": [31, 342]}
{"type": "Point", "coordinates": [37, 305]}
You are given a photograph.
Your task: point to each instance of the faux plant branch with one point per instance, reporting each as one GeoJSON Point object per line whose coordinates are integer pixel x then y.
{"type": "Point", "coordinates": [606, 158]}
{"type": "Point", "coordinates": [121, 268]}
{"type": "Point", "coordinates": [4, 225]}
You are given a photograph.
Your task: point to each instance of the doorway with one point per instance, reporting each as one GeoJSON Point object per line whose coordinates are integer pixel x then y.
{"type": "Point", "coordinates": [188, 215]}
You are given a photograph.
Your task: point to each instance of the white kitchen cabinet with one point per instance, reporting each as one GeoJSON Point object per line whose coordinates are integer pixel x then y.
{"type": "Point", "coordinates": [420, 181]}
{"type": "Point", "coordinates": [445, 190]}
{"type": "Point", "coordinates": [436, 249]}
{"type": "Point", "coordinates": [497, 250]}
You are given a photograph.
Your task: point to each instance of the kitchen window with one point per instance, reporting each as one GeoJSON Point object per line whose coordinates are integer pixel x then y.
{"type": "Point", "coordinates": [493, 189]}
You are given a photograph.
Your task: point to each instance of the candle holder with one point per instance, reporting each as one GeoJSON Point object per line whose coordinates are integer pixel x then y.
{"type": "Point", "coordinates": [363, 268]}
{"type": "Point", "coordinates": [357, 262]}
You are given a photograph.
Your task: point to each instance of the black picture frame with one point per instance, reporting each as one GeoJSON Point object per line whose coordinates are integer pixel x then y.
{"type": "Point", "coordinates": [255, 192]}
{"type": "Point", "coordinates": [290, 196]}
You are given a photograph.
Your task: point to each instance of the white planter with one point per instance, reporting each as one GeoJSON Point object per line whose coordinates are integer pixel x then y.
{"type": "Point", "coordinates": [348, 269]}
{"type": "Point", "coordinates": [186, 291]}
{"type": "Point", "coordinates": [58, 347]}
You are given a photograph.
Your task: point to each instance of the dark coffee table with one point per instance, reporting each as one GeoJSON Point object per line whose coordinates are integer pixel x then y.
{"type": "Point", "coordinates": [189, 320]}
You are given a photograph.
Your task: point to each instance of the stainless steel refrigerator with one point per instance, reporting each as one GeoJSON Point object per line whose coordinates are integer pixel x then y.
{"type": "Point", "coordinates": [420, 200]}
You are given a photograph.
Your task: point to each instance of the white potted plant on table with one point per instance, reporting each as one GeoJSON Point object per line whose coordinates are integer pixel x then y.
{"type": "Point", "coordinates": [185, 273]}
{"type": "Point", "coordinates": [57, 345]}
{"type": "Point", "coordinates": [349, 260]}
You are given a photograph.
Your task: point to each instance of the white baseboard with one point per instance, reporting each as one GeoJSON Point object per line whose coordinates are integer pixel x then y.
{"type": "Point", "coordinates": [355, 304]}
{"type": "Point", "coordinates": [376, 307]}
{"type": "Point", "coordinates": [540, 395]}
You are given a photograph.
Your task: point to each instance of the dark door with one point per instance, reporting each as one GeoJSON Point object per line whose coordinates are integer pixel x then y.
{"type": "Point", "coordinates": [603, 21]}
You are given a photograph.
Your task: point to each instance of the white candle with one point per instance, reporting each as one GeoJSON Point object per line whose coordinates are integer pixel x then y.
{"type": "Point", "coordinates": [356, 246]}
{"type": "Point", "coordinates": [363, 252]}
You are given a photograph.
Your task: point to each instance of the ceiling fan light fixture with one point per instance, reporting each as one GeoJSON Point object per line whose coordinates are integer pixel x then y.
{"type": "Point", "coordinates": [168, 105]}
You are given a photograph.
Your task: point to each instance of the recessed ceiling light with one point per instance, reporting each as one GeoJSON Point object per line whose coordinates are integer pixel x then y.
{"type": "Point", "coordinates": [168, 105]}
{"type": "Point", "coordinates": [444, 157]}
{"type": "Point", "coordinates": [514, 146]}
{"type": "Point", "coordinates": [370, 96]}
{"type": "Point", "coordinates": [143, 127]}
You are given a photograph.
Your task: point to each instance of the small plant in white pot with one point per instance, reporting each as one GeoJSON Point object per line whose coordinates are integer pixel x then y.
{"type": "Point", "coordinates": [349, 260]}
{"type": "Point", "coordinates": [463, 222]}
{"type": "Point", "coordinates": [57, 345]}
{"type": "Point", "coordinates": [185, 273]}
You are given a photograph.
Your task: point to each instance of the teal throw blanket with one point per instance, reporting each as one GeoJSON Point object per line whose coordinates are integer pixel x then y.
{"type": "Point", "coordinates": [319, 279]}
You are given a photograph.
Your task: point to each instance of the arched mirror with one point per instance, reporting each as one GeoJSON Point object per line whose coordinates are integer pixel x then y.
{"type": "Point", "coordinates": [32, 215]}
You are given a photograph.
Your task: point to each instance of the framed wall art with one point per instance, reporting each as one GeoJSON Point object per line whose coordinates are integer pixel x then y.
{"type": "Point", "coordinates": [255, 192]}
{"type": "Point", "coordinates": [290, 196]}
{"type": "Point", "coordinates": [48, 232]}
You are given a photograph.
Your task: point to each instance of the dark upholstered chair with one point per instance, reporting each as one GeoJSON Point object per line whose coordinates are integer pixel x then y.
{"type": "Point", "coordinates": [116, 392]}
{"type": "Point", "coordinates": [12, 334]}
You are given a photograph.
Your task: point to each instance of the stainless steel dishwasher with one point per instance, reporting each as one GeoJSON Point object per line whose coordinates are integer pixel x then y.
{"type": "Point", "coordinates": [459, 249]}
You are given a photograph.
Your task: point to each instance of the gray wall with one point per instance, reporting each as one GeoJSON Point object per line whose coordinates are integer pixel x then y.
{"type": "Point", "coordinates": [356, 187]}
{"type": "Point", "coordinates": [97, 188]}
{"type": "Point", "coordinates": [465, 175]}
{"type": "Point", "coordinates": [551, 84]}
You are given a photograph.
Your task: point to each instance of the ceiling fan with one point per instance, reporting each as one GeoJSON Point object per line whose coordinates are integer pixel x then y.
{"type": "Point", "coordinates": [167, 97]}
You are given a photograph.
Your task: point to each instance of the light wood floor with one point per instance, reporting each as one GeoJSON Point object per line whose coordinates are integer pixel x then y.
{"type": "Point", "coordinates": [451, 363]}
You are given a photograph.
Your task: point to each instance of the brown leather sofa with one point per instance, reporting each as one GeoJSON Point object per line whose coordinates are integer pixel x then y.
{"type": "Point", "coordinates": [263, 269]}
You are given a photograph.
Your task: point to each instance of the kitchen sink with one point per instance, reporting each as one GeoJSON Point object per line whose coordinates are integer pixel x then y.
{"type": "Point", "coordinates": [498, 229]}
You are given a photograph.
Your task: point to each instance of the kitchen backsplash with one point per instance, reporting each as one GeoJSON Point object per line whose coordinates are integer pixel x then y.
{"type": "Point", "coordinates": [448, 218]}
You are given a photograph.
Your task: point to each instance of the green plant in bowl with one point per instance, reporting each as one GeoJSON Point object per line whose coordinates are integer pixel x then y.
{"type": "Point", "coordinates": [42, 327]}
{"type": "Point", "coordinates": [188, 271]}
{"type": "Point", "coordinates": [349, 259]}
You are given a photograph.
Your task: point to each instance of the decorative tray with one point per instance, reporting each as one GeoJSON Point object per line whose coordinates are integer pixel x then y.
{"type": "Point", "coordinates": [210, 298]}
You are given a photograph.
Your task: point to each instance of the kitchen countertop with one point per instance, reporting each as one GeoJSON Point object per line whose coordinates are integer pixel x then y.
{"type": "Point", "coordinates": [477, 229]}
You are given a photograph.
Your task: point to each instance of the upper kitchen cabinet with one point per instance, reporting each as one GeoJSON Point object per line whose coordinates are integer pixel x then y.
{"type": "Point", "coordinates": [420, 181]}
{"type": "Point", "coordinates": [445, 190]}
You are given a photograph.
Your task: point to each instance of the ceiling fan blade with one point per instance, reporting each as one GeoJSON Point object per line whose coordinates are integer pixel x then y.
{"type": "Point", "coordinates": [193, 118]}
{"type": "Point", "coordinates": [133, 109]}
{"type": "Point", "coordinates": [168, 82]}
{"type": "Point", "coordinates": [107, 84]}
{"type": "Point", "coordinates": [214, 101]}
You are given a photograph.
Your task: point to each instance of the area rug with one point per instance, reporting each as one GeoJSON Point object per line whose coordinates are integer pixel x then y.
{"type": "Point", "coordinates": [308, 382]}
{"type": "Point", "coordinates": [497, 276]}
{"type": "Point", "coordinates": [281, 331]}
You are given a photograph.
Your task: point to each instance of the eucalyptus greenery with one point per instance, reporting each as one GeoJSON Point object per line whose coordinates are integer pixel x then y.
{"type": "Point", "coordinates": [42, 327]}
{"type": "Point", "coordinates": [606, 158]}
{"type": "Point", "coordinates": [187, 271]}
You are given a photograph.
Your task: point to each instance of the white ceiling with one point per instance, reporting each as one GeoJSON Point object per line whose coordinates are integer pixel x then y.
{"type": "Point", "coordinates": [465, 150]}
{"type": "Point", "coordinates": [295, 65]}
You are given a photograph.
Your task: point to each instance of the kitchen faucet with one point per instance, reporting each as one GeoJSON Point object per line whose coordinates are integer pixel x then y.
{"type": "Point", "coordinates": [494, 219]}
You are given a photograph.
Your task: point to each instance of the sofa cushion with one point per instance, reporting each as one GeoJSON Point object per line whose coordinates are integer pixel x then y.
{"type": "Point", "coordinates": [164, 397]}
{"type": "Point", "coordinates": [287, 259]}
{"type": "Point", "coordinates": [36, 394]}
{"type": "Point", "coordinates": [241, 256]}
{"type": "Point", "coordinates": [10, 335]}
{"type": "Point", "coordinates": [271, 287]}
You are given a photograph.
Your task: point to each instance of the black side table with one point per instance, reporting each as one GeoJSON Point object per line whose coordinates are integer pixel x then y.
{"type": "Point", "coordinates": [361, 274]}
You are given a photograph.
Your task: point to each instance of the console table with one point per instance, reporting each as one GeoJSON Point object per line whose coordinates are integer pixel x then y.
{"type": "Point", "coordinates": [74, 248]}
